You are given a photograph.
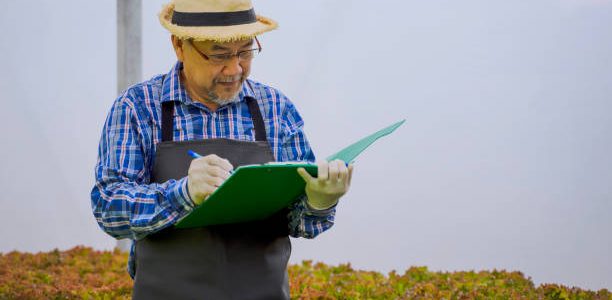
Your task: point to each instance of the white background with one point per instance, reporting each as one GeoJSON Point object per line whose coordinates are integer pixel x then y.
{"type": "Point", "coordinates": [504, 161]}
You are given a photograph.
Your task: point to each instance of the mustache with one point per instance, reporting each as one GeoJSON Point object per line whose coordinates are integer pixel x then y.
{"type": "Point", "coordinates": [229, 78]}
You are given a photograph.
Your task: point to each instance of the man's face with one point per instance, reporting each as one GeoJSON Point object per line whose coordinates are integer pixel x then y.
{"type": "Point", "coordinates": [211, 79]}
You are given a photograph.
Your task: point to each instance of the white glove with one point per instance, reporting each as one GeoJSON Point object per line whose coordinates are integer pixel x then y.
{"type": "Point", "coordinates": [333, 181]}
{"type": "Point", "coordinates": [205, 175]}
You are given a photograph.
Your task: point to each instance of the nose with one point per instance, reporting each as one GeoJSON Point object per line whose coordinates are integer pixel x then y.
{"type": "Point", "coordinates": [232, 67]}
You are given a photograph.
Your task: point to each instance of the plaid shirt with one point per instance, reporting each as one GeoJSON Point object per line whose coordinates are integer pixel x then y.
{"type": "Point", "coordinates": [124, 201]}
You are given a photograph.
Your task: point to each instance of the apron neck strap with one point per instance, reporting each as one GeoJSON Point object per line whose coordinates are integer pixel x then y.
{"type": "Point", "coordinates": [168, 117]}
{"type": "Point", "coordinates": [258, 123]}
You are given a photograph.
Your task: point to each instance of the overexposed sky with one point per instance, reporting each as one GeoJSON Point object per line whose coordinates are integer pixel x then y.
{"type": "Point", "coordinates": [504, 161]}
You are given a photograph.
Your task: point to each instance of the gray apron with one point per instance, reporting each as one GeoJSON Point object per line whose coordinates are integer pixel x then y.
{"type": "Point", "coordinates": [235, 261]}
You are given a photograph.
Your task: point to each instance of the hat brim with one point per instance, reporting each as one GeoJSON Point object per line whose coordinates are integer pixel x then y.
{"type": "Point", "coordinates": [215, 33]}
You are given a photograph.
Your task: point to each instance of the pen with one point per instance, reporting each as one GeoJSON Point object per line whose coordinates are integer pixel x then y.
{"type": "Point", "coordinates": [196, 155]}
{"type": "Point", "coordinates": [193, 154]}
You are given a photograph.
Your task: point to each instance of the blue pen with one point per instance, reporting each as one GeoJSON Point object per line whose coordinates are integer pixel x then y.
{"type": "Point", "coordinates": [196, 155]}
{"type": "Point", "coordinates": [193, 154]}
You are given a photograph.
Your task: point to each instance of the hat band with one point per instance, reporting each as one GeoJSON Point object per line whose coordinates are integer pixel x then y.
{"type": "Point", "coordinates": [214, 18]}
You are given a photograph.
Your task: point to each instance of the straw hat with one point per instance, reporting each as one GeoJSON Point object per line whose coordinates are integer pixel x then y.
{"type": "Point", "coordinates": [216, 20]}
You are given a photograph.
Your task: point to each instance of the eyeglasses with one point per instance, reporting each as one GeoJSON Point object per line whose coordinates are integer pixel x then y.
{"type": "Point", "coordinates": [220, 59]}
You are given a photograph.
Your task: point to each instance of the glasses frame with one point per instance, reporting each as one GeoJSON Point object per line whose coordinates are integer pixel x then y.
{"type": "Point", "coordinates": [207, 57]}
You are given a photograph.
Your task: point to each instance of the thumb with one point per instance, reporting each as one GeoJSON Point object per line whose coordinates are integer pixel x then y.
{"type": "Point", "coordinates": [305, 175]}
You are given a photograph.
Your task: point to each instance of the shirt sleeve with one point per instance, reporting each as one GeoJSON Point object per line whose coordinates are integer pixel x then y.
{"type": "Point", "coordinates": [123, 201]}
{"type": "Point", "coordinates": [304, 221]}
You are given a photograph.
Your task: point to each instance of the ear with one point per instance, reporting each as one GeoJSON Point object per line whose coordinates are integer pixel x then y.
{"type": "Point", "coordinates": [177, 44]}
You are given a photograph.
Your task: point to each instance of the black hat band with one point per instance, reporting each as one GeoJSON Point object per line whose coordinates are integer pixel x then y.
{"type": "Point", "coordinates": [214, 18]}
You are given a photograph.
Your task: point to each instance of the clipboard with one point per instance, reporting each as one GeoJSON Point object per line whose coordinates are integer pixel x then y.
{"type": "Point", "coordinates": [255, 192]}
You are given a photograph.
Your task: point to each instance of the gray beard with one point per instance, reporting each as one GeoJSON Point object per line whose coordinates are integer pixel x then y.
{"type": "Point", "coordinates": [214, 98]}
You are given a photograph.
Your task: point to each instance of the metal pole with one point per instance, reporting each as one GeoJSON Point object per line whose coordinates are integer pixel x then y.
{"type": "Point", "coordinates": [129, 43]}
{"type": "Point", "coordinates": [129, 56]}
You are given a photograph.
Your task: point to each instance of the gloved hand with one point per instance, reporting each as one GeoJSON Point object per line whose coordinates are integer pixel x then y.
{"type": "Point", "coordinates": [205, 175]}
{"type": "Point", "coordinates": [333, 181]}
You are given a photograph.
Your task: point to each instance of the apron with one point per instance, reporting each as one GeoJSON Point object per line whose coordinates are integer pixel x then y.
{"type": "Point", "coordinates": [235, 261]}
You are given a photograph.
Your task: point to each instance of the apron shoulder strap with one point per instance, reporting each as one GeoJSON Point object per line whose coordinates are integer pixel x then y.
{"type": "Point", "coordinates": [167, 117]}
{"type": "Point", "coordinates": [258, 123]}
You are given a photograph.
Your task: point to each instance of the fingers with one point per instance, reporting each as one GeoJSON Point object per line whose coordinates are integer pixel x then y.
{"type": "Point", "coordinates": [215, 171]}
{"type": "Point", "coordinates": [342, 171]}
{"type": "Point", "coordinates": [205, 175]}
{"type": "Point", "coordinates": [338, 171]}
{"type": "Point", "coordinates": [214, 182]}
{"type": "Point", "coordinates": [323, 170]}
{"type": "Point", "coordinates": [305, 175]}
{"type": "Point", "coordinates": [333, 171]}
{"type": "Point", "coordinates": [215, 160]}
{"type": "Point", "coordinates": [204, 181]}
{"type": "Point", "coordinates": [213, 165]}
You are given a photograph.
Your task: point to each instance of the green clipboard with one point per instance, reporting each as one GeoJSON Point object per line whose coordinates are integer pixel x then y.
{"type": "Point", "coordinates": [255, 192]}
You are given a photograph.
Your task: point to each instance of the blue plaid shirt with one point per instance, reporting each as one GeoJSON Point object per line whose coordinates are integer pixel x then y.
{"type": "Point", "coordinates": [124, 201]}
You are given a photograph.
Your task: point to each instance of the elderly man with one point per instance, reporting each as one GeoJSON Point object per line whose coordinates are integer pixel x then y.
{"type": "Point", "coordinates": [207, 102]}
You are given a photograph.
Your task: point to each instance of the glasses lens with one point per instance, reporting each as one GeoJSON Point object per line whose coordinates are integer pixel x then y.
{"type": "Point", "coordinates": [220, 58]}
{"type": "Point", "coordinates": [248, 54]}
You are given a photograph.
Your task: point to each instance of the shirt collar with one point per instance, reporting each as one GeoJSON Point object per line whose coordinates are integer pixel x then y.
{"type": "Point", "coordinates": [173, 89]}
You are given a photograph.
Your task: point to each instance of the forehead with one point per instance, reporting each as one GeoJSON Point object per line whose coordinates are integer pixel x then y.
{"type": "Point", "coordinates": [211, 45]}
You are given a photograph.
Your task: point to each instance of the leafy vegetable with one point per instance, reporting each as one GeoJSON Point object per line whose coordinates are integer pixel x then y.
{"type": "Point", "coordinates": [84, 273]}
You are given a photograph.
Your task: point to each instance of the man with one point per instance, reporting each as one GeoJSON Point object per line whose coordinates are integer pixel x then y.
{"type": "Point", "coordinates": [206, 103]}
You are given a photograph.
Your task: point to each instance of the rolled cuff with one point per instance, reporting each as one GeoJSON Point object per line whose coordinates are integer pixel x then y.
{"type": "Point", "coordinates": [317, 212]}
{"type": "Point", "coordinates": [178, 196]}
